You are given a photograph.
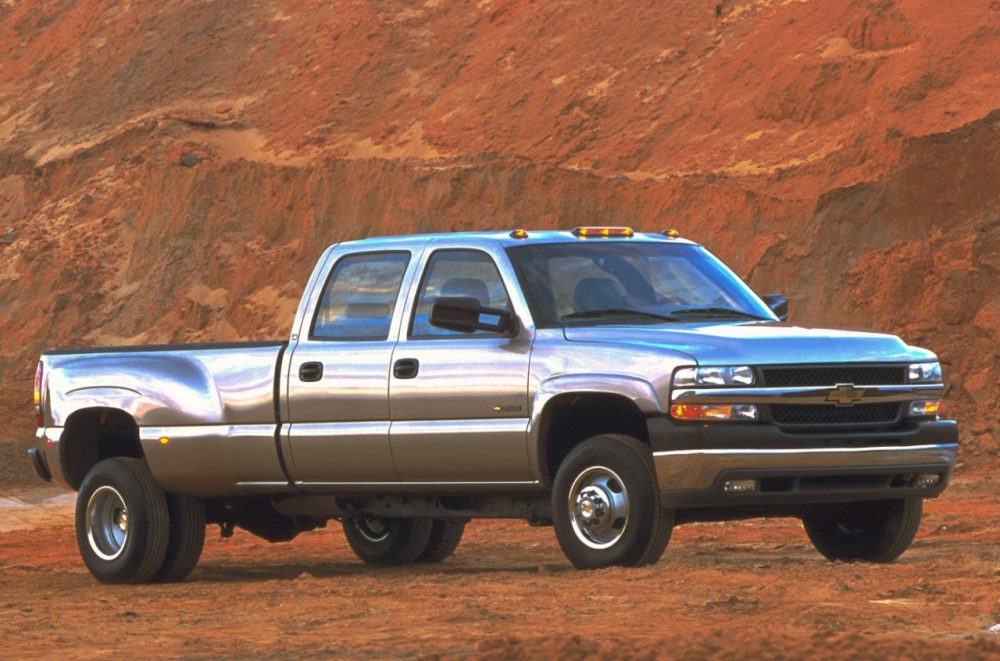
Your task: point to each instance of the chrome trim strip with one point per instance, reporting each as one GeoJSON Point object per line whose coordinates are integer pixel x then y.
{"type": "Point", "coordinates": [401, 428]}
{"type": "Point", "coordinates": [697, 470]}
{"type": "Point", "coordinates": [804, 394]}
{"type": "Point", "coordinates": [525, 483]}
{"type": "Point", "coordinates": [283, 485]}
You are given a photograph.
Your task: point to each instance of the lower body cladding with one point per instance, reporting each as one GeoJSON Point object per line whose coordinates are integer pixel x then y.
{"type": "Point", "coordinates": [711, 472]}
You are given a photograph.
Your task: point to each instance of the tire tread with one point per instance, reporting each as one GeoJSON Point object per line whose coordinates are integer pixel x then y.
{"type": "Point", "coordinates": [187, 538]}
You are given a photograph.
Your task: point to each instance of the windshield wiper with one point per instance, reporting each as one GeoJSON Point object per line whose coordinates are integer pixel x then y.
{"type": "Point", "coordinates": [618, 312]}
{"type": "Point", "coordinates": [717, 312]}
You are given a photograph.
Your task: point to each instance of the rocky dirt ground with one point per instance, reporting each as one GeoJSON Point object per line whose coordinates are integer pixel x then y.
{"type": "Point", "coordinates": [753, 589]}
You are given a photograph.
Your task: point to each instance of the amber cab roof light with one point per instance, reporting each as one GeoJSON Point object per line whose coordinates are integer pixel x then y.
{"type": "Point", "coordinates": [671, 234]}
{"type": "Point", "coordinates": [519, 234]}
{"type": "Point", "coordinates": [602, 232]}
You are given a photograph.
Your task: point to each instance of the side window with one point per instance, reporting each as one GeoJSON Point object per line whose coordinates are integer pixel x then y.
{"type": "Point", "coordinates": [359, 297]}
{"type": "Point", "coordinates": [458, 273]}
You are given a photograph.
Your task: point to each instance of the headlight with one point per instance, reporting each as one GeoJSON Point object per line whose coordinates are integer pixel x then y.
{"type": "Point", "coordinates": [924, 373]}
{"type": "Point", "coordinates": [688, 377]}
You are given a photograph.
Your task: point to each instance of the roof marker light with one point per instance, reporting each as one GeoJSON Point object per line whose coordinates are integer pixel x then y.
{"type": "Point", "coordinates": [670, 234]}
{"type": "Point", "coordinates": [519, 234]}
{"type": "Point", "coordinates": [603, 232]}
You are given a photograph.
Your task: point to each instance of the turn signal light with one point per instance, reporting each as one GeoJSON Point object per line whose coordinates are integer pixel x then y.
{"type": "Point", "coordinates": [925, 408]}
{"type": "Point", "coordinates": [714, 411]}
{"type": "Point", "coordinates": [602, 232]}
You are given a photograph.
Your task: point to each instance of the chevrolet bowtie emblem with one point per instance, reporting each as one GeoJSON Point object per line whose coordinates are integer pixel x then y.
{"type": "Point", "coordinates": [845, 394]}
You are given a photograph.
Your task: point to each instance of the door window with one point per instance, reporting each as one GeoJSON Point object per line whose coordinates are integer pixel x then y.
{"type": "Point", "coordinates": [468, 273]}
{"type": "Point", "coordinates": [360, 296]}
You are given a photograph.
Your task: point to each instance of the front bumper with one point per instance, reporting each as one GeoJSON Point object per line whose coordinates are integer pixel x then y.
{"type": "Point", "coordinates": [693, 463]}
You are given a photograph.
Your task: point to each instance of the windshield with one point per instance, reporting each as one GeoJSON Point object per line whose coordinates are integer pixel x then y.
{"type": "Point", "coordinates": [588, 282]}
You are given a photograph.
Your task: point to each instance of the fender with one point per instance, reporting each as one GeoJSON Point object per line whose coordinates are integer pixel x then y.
{"type": "Point", "coordinates": [153, 388]}
{"type": "Point", "coordinates": [166, 386]}
{"type": "Point", "coordinates": [637, 390]}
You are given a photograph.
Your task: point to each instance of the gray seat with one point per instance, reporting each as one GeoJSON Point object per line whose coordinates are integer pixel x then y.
{"type": "Point", "coordinates": [597, 294]}
{"type": "Point", "coordinates": [468, 287]}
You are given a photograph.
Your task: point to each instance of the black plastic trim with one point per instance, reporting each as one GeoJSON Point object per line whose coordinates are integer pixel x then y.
{"type": "Point", "coordinates": [714, 496]}
{"type": "Point", "coordinates": [667, 435]}
{"type": "Point", "coordinates": [38, 463]}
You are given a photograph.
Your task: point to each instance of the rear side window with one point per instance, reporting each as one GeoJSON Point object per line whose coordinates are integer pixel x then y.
{"type": "Point", "coordinates": [360, 296]}
{"type": "Point", "coordinates": [467, 273]}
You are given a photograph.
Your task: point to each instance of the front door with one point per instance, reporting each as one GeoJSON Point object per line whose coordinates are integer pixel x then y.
{"type": "Point", "coordinates": [458, 401]}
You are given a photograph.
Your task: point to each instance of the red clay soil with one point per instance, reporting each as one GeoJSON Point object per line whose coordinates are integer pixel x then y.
{"type": "Point", "coordinates": [752, 589]}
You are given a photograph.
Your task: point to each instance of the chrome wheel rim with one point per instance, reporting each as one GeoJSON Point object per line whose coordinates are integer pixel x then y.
{"type": "Point", "coordinates": [107, 523]}
{"type": "Point", "coordinates": [374, 529]}
{"type": "Point", "coordinates": [599, 507]}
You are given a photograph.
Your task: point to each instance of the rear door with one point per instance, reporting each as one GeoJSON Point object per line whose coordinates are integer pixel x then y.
{"type": "Point", "coordinates": [338, 378]}
{"type": "Point", "coordinates": [459, 402]}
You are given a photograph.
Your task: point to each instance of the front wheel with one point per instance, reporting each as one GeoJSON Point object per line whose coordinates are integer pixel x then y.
{"type": "Point", "coordinates": [122, 521]}
{"type": "Point", "coordinates": [386, 542]}
{"type": "Point", "coordinates": [878, 531]}
{"type": "Point", "coordinates": [606, 506]}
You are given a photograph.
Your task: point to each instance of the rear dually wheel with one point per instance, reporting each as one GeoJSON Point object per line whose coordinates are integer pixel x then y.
{"type": "Point", "coordinates": [122, 521]}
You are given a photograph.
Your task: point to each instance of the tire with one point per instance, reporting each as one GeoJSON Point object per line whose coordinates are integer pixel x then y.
{"type": "Point", "coordinates": [387, 542]}
{"type": "Point", "coordinates": [446, 535]}
{"type": "Point", "coordinates": [878, 531]}
{"type": "Point", "coordinates": [122, 521]}
{"type": "Point", "coordinates": [606, 505]}
{"type": "Point", "coordinates": [187, 538]}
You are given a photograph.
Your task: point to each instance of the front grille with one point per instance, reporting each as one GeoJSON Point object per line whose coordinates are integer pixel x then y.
{"type": "Point", "coordinates": [829, 375]}
{"type": "Point", "coordinates": [826, 414]}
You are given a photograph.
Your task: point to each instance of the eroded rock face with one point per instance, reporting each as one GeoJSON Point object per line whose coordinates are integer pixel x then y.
{"type": "Point", "coordinates": [170, 171]}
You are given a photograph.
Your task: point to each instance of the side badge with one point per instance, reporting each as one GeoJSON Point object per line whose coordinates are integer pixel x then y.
{"type": "Point", "coordinates": [509, 408]}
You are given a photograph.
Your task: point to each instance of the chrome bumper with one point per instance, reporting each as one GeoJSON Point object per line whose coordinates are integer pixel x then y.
{"type": "Point", "coordinates": [700, 470]}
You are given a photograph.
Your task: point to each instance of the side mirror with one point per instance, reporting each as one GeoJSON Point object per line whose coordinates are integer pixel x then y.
{"type": "Point", "coordinates": [778, 304]}
{"type": "Point", "coordinates": [465, 315]}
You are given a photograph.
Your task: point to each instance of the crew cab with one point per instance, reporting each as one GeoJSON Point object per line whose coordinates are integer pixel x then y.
{"type": "Point", "coordinates": [609, 383]}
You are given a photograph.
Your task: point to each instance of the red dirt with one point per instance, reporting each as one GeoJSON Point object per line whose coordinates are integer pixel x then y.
{"type": "Point", "coordinates": [169, 171]}
{"type": "Point", "coordinates": [753, 589]}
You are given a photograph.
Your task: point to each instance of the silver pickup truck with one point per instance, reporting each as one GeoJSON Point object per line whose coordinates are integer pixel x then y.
{"type": "Point", "coordinates": [609, 383]}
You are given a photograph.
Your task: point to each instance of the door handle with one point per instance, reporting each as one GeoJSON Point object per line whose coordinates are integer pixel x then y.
{"type": "Point", "coordinates": [406, 368]}
{"type": "Point", "coordinates": [311, 371]}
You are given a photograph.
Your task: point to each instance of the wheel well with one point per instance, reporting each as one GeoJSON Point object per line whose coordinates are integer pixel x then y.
{"type": "Point", "coordinates": [574, 417]}
{"type": "Point", "coordinates": [91, 435]}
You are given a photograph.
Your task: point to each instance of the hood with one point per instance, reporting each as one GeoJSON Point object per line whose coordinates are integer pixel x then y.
{"type": "Point", "coordinates": [756, 343]}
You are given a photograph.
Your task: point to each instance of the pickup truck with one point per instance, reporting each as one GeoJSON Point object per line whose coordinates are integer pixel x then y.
{"type": "Point", "coordinates": [606, 382]}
